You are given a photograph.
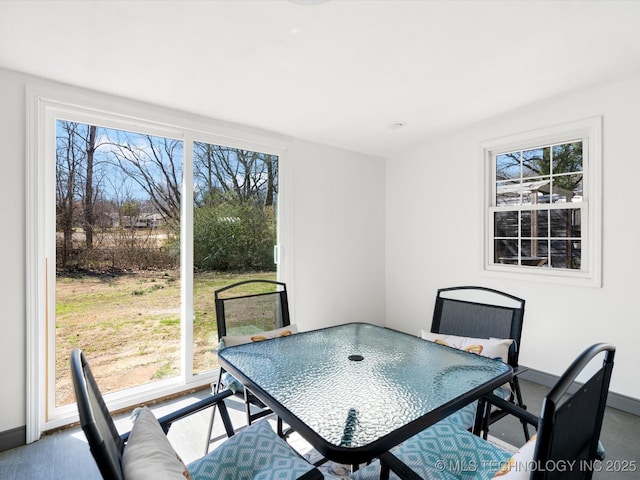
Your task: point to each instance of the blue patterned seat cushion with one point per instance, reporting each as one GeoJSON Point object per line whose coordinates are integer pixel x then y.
{"type": "Point", "coordinates": [444, 452]}
{"type": "Point", "coordinates": [465, 417]}
{"type": "Point", "coordinates": [254, 453]}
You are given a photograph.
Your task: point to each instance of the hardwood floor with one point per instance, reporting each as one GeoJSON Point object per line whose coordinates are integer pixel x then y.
{"type": "Point", "coordinates": [65, 455]}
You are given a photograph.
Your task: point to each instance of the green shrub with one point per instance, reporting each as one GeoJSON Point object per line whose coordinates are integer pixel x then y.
{"type": "Point", "coordinates": [233, 236]}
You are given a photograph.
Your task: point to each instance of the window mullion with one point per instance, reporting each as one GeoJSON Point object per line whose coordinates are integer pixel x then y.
{"type": "Point", "coordinates": [186, 262]}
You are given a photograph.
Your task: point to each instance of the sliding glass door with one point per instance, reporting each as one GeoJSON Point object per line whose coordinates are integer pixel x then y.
{"type": "Point", "coordinates": [141, 223]}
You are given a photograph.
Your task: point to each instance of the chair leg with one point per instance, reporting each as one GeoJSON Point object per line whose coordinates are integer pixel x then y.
{"type": "Point", "coordinates": [247, 406]}
{"type": "Point", "coordinates": [216, 389]}
{"type": "Point", "coordinates": [516, 388]}
{"type": "Point", "coordinates": [384, 471]}
{"type": "Point", "coordinates": [479, 420]}
{"type": "Point", "coordinates": [517, 400]}
{"type": "Point", "coordinates": [210, 429]}
{"type": "Point", "coordinates": [486, 420]}
{"type": "Point", "coordinates": [250, 417]}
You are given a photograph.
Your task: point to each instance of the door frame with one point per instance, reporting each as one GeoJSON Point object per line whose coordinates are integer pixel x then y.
{"type": "Point", "coordinates": [42, 105]}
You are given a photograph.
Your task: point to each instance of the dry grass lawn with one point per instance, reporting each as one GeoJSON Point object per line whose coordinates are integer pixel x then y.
{"type": "Point", "coordinates": [128, 325]}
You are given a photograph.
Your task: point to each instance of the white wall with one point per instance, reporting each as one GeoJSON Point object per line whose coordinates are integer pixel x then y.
{"type": "Point", "coordinates": [12, 282]}
{"type": "Point", "coordinates": [335, 249]}
{"type": "Point", "coordinates": [432, 243]}
{"type": "Point", "coordinates": [339, 232]}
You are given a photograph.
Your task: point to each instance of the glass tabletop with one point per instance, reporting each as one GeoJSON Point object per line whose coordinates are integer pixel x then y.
{"type": "Point", "coordinates": [353, 384]}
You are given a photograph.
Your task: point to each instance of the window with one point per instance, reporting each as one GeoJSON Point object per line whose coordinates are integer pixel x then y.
{"type": "Point", "coordinates": [542, 203]}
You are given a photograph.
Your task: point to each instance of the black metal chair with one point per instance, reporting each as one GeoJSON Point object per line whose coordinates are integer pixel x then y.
{"type": "Point", "coordinates": [482, 312]}
{"type": "Point", "coordinates": [251, 310]}
{"type": "Point", "coordinates": [566, 445]}
{"type": "Point", "coordinates": [262, 452]}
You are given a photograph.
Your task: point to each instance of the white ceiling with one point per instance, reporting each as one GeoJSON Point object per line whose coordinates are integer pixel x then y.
{"type": "Point", "coordinates": [336, 73]}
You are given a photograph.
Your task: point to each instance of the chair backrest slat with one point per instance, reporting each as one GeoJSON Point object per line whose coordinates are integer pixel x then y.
{"type": "Point", "coordinates": [479, 312]}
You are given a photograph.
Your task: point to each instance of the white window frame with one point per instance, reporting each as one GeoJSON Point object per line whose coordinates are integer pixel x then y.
{"type": "Point", "coordinates": [590, 132]}
{"type": "Point", "coordinates": [44, 105]}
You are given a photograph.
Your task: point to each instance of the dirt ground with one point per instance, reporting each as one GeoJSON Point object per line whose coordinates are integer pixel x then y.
{"type": "Point", "coordinates": [128, 325]}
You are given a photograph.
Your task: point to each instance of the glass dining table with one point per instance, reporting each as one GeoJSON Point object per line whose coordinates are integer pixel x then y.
{"type": "Point", "coordinates": [355, 391]}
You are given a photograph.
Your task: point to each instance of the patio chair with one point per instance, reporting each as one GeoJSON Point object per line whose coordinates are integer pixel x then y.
{"type": "Point", "coordinates": [566, 445]}
{"type": "Point", "coordinates": [249, 311]}
{"type": "Point", "coordinates": [145, 453]}
{"type": "Point", "coordinates": [483, 317]}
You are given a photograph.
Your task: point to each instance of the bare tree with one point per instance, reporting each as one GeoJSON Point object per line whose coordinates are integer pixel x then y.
{"type": "Point", "coordinates": [88, 201]}
{"type": "Point", "coordinates": [77, 181]}
{"type": "Point", "coordinates": [68, 162]}
{"type": "Point", "coordinates": [562, 158]}
{"type": "Point", "coordinates": [244, 175]}
{"type": "Point", "coordinates": [155, 164]}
